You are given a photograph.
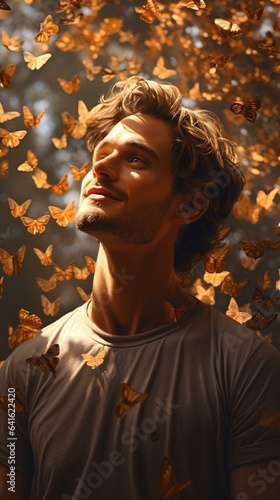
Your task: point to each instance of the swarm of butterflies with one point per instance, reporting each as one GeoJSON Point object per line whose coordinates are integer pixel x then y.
{"type": "Point", "coordinates": [224, 56]}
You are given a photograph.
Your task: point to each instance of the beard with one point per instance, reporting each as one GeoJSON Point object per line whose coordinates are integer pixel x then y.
{"type": "Point", "coordinates": [137, 227]}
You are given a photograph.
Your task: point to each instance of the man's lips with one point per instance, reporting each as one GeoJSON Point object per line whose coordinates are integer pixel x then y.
{"type": "Point", "coordinates": [98, 192]}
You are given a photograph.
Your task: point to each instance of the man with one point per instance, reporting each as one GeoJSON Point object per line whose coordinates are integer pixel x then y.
{"type": "Point", "coordinates": [143, 392]}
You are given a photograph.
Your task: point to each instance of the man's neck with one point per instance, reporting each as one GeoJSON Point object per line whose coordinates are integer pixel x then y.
{"type": "Point", "coordinates": [129, 287]}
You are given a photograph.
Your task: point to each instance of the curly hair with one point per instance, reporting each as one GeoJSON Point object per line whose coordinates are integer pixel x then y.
{"type": "Point", "coordinates": [205, 162]}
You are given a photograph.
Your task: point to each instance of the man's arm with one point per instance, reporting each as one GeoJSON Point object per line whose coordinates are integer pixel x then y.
{"type": "Point", "coordinates": [257, 481]}
{"type": "Point", "coordinates": [21, 489]}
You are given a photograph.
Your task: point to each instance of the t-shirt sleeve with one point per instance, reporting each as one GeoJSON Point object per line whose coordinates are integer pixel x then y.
{"type": "Point", "coordinates": [255, 409]}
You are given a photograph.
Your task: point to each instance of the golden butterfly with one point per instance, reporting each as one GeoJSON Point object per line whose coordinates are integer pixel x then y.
{"type": "Point", "coordinates": [84, 296]}
{"type": "Point", "coordinates": [150, 11]}
{"type": "Point", "coordinates": [266, 201]}
{"type": "Point", "coordinates": [227, 29]}
{"type": "Point", "coordinates": [34, 62]}
{"type": "Point", "coordinates": [160, 71]}
{"type": "Point", "coordinates": [234, 312]}
{"type": "Point", "coordinates": [62, 217]}
{"type": "Point", "coordinates": [70, 86]}
{"type": "Point", "coordinates": [248, 110]}
{"type": "Point", "coordinates": [79, 173]}
{"type": "Point", "coordinates": [47, 361]}
{"type": "Point", "coordinates": [81, 274]}
{"type": "Point", "coordinates": [18, 401]}
{"type": "Point", "coordinates": [271, 421]}
{"type": "Point", "coordinates": [90, 263]}
{"type": "Point", "coordinates": [64, 274]}
{"type": "Point", "coordinates": [4, 169]}
{"type": "Point", "coordinates": [50, 308]}
{"type": "Point", "coordinates": [130, 397]}
{"type": "Point", "coordinates": [71, 18]}
{"type": "Point", "coordinates": [61, 186]}
{"type": "Point", "coordinates": [192, 4]}
{"type": "Point", "coordinates": [12, 264]}
{"type": "Point", "coordinates": [72, 126]}
{"type": "Point", "coordinates": [47, 285]}
{"type": "Point", "coordinates": [13, 44]}
{"type": "Point", "coordinates": [265, 281]}
{"type": "Point", "coordinates": [18, 210]}
{"type": "Point", "coordinates": [6, 75]}
{"type": "Point", "coordinates": [231, 288]}
{"type": "Point", "coordinates": [214, 266]}
{"type": "Point", "coordinates": [174, 314]}
{"type": "Point", "coordinates": [45, 257]}
{"type": "Point", "coordinates": [166, 486]}
{"type": "Point", "coordinates": [35, 226]}
{"type": "Point", "coordinates": [47, 29]}
{"type": "Point", "coordinates": [12, 139]}
{"type": "Point", "coordinates": [40, 179]}
{"type": "Point", "coordinates": [28, 327]}
{"type": "Point", "coordinates": [30, 164]}
{"type": "Point", "coordinates": [31, 120]}
{"type": "Point", "coordinates": [60, 142]}
{"type": "Point", "coordinates": [67, 4]}
{"type": "Point", "coordinates": [97, 360]}
{"type": "Point", "coordinates": [109, 73]}
{"type": "Point", "coordinates": [9, 115]}
{"type": "Point", "coordinates": [206, 296]}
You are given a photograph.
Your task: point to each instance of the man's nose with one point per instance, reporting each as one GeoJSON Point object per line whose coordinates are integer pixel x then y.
{"type": "Point", "coordinates": [106, 166]}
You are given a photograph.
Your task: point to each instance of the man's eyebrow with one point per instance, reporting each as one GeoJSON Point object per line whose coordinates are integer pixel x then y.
{"type": "Point", "coordinates": [136, 144]}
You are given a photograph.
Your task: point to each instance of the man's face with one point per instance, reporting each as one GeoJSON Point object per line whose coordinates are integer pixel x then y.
{"type": "Point", "coordinates": [129, 193]}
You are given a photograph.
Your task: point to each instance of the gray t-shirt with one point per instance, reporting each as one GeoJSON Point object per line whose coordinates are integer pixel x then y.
{"type": "Point", "coordinates": [164, 413]}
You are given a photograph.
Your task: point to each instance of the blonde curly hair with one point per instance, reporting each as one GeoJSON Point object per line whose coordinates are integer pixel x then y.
{"type": "Point", "coordinates": [205, 162]}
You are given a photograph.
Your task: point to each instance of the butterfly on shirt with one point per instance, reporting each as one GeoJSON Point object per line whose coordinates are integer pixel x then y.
{"type": "Point", "coordinates": [130, 397]}
{"type": "Point", "coordinates": [174, 314]}
{"type": "Point", "coordinates": [166, 486]}
{"type": "Point", "coordinates": [95, 361]}
{"type": "Point", "coordinates": [271, 421]}
{"type": "Point", "coordinates": [47, 361]}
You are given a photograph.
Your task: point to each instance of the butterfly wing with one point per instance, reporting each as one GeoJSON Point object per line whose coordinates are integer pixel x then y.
{"type": "Point", "coordinates": [45, 257]}
{"type": "Point", "coordinates": [166, 486]}
{"type": "Point", "coordinates": [6, 75]}
{"type": "Point", "coordinates": [129, 398]}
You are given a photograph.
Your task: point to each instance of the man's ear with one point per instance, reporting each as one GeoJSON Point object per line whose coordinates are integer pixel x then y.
{"type": "Point", "coordinates": [192, 207]}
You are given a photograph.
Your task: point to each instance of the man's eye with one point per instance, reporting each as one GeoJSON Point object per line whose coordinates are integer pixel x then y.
{"type": "Point", "coordinates": [137, 159]}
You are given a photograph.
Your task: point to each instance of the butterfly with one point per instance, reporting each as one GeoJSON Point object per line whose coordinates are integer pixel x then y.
{"type": "Point", "coordinates": [12, 264]}
{"type": "Point", "coordinates": [61, 142]}
{"type": "Point", "coordinates": [150, 11]}
{"type": "Point", "coordinates": [9, 115]}
{"type": "Point", "coordinates": [166, 485]}
{"type": "Point", "coordinates": [61, 186]}
{"type": "Point", "coordinates": [271, 421]}
{"type": "Point", "coordinates": [214, 273]}
{"type": "Point", "coordinates": [31, 120]}
{"type": "Point", "coordinates": [28, 327]}
{"type": "Point", "coordinates": [90, 69]}
{"type": "Point", "coordinates": [260, 322]}
{"type": "Point", "coordinates": [4, 5]}
{"type": "Point", "coordinates": [218, 62]}
{"type": "Point", "coordinates": [84, 296]}
{"type": "Point", "coordinates": [79, 173]}
{"type": "Point", "coordinates": [254, 15]}
{"type": "Point", "coordinates": [30, 164]}
{"type": "Point", "coordinates": [35, 225]}
{"type": "Point", "coordinates": [66, 4]}
{"type": "Point", "coordinates": [62, 217]}
{"type": "Point", "coordinates": [206, 296]}
{"type": "Point", "coordinates": [160, 71]}
{"type": "Point", "coordinates": [71, 18]}
{"type": "Point", "coordinates": [95, 361]}
{"type": "Point", "coordinates": [18, 400]}
{"type": "Point", "coordinates": [81, 274]}
{"type": "Point", "coordinates": [40, 179]}
{"type": "Point", "coordinates": [264, 281]}
{"type": "Point", "coordinates": [45, 257]}
{"type": "Point", "coordinates": [47, 285]}
{"type": "Point", "coordinates": [46, 362]}
{"type": "Point", "coordinates": [6, 75]}
{"type": "Point", "coordinates": [264, 304]}
{"type": "Point", "coordinates": [254, 249]}
{"type": "Point", "coordinates": [50, 308]}
{"type": "Point", "coordinates": [129, 399]}
{"type": "Point", "coordinates": [70, 86]}
{"type": "Point", "coordinates": [4, 169]}
{"type": "Point", "coordinates": [12, 139]}
{"type": "Point", "coordinates": [109, 73]}
{"type": "Point", "coordinates": [34, 62]}
{"type": "Point", "coordinates": [47, 29]}
{"type": "Point", "coordinates": [248, 111]}
{"type": "Point", "coordinates": [12, 44]}
{"type": "Point", "coordinates": [174, 314]}
{"type": "Point", "coordinates": [266, 200]}
{"type": "Point", "coordinates": [192, 4]}
{"type": "Point", "coordinates": [234, 313]}
{"type": "Point", "coordinates": [18, 210]}
{"type": "Point", "coordinates": [72, 126]}
{"type": "Point", "coordinates": [231, 288]}
{"type": "Point", "coordinates": [64, 274]}
{"type": "Point", "coordinates": [90, 263]}
{"type": "Point", "coordinates": [227, 29]}
{"type": "Point", "coordinates": [269, 42]}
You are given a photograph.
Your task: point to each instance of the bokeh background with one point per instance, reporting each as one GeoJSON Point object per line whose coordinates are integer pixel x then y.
{"type": "Point", "coordinates": [218, 53]}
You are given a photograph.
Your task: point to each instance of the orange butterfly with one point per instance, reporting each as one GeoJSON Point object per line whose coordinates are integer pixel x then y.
{"type": "Point", "coordinates": [6, 75]}
{"type": "Point", "coordinates": [47, 29]}
{"type": "Point", "coordinates": [234, 313]}
{"type": "Point", "coordinates": [271, 421]}
{"type": "Point", "coordinates": [4, 169]}
{"type": "Point", "coordinates": [254, 250]}
{"type": "Point", "coordinates": [61, 186]}
{"type": "Point", "coordinates": [40, 179]}
{"type": "Point", "coordinates": [227, 29]}
{"type": "Point", "coordinates": [4, 5]}
{"type": "Point", "coordinates": [62, 217]}
{"type": "Point", "coordinates": [61, 142]}
{"type": "Point", "coordinates": [72, 126]}
{"type": "Point", "coordinates": [231, 288]}
{"type": "Point", "coordinates": [174, 314]}
{"type": "Point", "coordinates": [12, 139]}
{"type": "Point", "coordinates": [45, 257]}
{"type": "Point", "coordinates": [64, 274]}
{"type": "Point", "coordinates": [12, 264]}
{"type": "Point", "coordinates": [260, 322]}
{"type": "Point", "coordinates": [46, 362]}
{"type": "Point", "coordinates": [34, 62]}
{"type": "Point", "coordinates": [9, 115]}
{"type": "Point", "coordinates": [67, 4]}
{"type": "Point", "coordinates": [28, 327]}
{"type": "Point", "coordinates": [18, 210]}
{"type": "Point", "coordinates": [12, 44]}
{"type": "Point", "coordinates": [47, 285]}
{"type": "Point", "coordinates": [150, 11]}
{"type": "Point", "coordinates": [71, 18]}
{"type": "Point", "coordinates": [18, 400]}
{"type": "Point", "coordinates": [264, 281]}
{"type": "Point", "coordinates": [70, 86]}
{"type": "Point", "coordinates": [79, 173]}
{"type": "Point", "coordinates": [50, 308]}
{"type": "Point", "coordinates": [129, 399]}
{"type": "Point", "coordinates": [160, 71]}
{"type": "Point", "coordinates": [84, 296]}
{"type": "Point", "coordinates": [90, 263]}
{"type": "Point", "coordinates": [166, 485]}
{"type": "Point", "coordinates": [31, 120]}
{"type": "Point", "coordinates": [192, 4]}
{"type": "Point", "coordinates": [248, 111]}
{"type": "Point", "coordinates": [266, 200]}
{"type": "Point", "coordinates": [264, 304]}
{"type": "Point", "coordinates": [109, 74]}
{"type": "Point", "coordinates": [254, 15]}
{"type": "Point", "coordinates": [30, 164]}
{"type": "Point", "coordinates": [95, 361]}
{"type": "Point", "coordinates": [90, 69]}
{"type": "Point", "coordinates": [214, 273]}
{"type": "Point", "coordinates": [35, 225]}
{"type": "Point", "coordinates": [81, 274]}
{"type": "Point", "coordinates": [206, 296]}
